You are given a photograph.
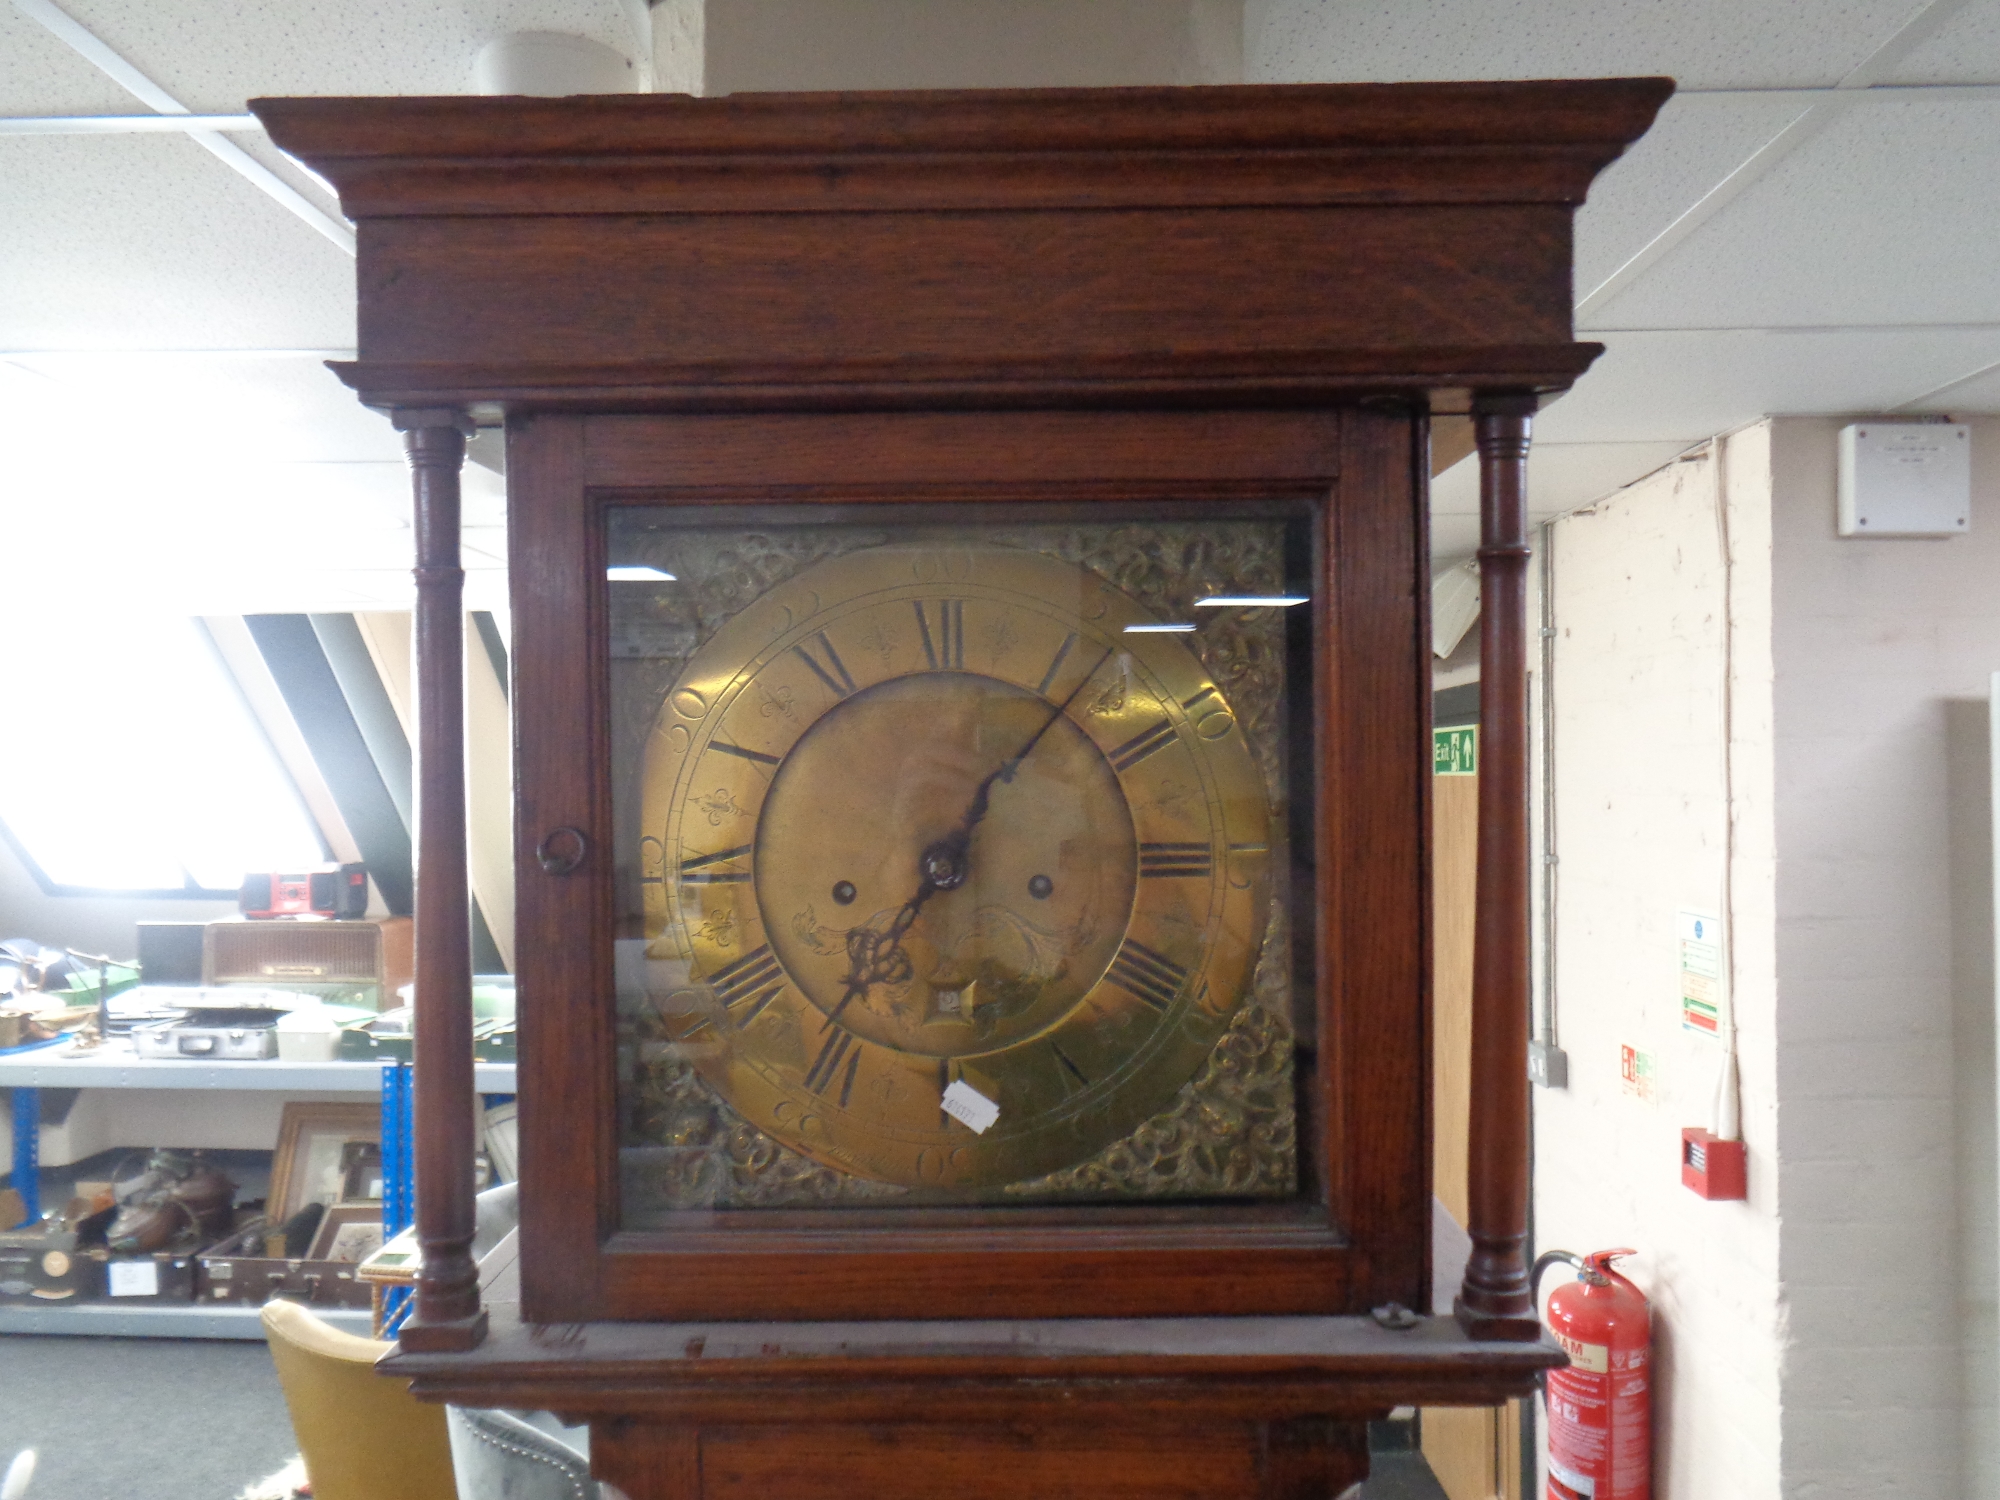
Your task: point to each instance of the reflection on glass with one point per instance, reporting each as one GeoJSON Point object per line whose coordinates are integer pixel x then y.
{"type": "Point", "coordinates": [955, 864]}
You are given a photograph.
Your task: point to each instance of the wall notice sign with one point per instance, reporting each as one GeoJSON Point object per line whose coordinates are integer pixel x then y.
{"type": "Point", "coordinates": [1699, 935]}
{"type": "Point", "coordinates": [1636, 1075]}
{"type": "Point", "coordinates": [1455, 751]}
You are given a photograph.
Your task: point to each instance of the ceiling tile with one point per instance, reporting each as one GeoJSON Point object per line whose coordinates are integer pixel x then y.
{"type": "Point", "coordinates": [124, 242]}
{"type": "Point", "coordinates": [1703, 43]}
{"type": "Point", "coordinates": [1884, 217]}
{"type": "Point", "coordinates": [1685, 386]}
{"type": "Point", "coordinates": [215, 54]}
{"type": "Point", "coordinates": [41, 76]}
{"type": "Point", "coordinates": [1966, 49]}
{"type": "Point", "coordinates": [1977, 395]}
{"type": "Point", "coordinates": [1698, 140]}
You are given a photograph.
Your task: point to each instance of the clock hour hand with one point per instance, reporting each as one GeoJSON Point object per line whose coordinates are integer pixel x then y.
{"type": "Point", "coordinates": [879, 957]}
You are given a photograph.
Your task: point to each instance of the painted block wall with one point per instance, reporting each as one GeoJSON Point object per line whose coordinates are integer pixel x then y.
{"type": "Point", "coordinates": [1884, 652]}
{"type": "Point", "coordinates": [1644, 831]}
{"type": "Point", "coordinates": [1835, 1335]}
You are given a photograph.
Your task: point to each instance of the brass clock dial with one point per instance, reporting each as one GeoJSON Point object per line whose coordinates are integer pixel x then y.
{"type": "Point", "coordinates": [933, 830]}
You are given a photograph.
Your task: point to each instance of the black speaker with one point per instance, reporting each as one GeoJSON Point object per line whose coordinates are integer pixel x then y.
{"type": "Point", "coordinates": [170, 952]}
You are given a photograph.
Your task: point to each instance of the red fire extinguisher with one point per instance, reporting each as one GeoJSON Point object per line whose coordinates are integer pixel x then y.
{"type": "Point", "coordinates": [1600, 1415]}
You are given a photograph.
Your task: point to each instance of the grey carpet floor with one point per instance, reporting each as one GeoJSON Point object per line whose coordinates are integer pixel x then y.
{"type": "Point", "coordinates": [141, 1419]}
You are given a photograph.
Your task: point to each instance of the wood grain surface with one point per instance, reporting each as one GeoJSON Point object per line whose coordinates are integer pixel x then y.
{"type": "Point", "coordinates": [1222, 294]}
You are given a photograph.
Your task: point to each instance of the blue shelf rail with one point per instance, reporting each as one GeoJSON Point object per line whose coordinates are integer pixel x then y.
{"type": "Point", "coordinates": [27, 1168]}
{"type": "Point", "coordinates": [27, 1177]}
{"type": "Point", "coordinates": [399, 1176]}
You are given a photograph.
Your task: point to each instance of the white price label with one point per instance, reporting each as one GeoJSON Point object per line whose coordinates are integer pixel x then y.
{"type": "Point", "coordinates": [969, 1107]}
{"type": "Point", "coordinates": [135, 1278]}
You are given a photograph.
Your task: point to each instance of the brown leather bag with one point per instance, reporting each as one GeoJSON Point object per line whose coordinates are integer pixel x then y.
{"type": "Point", "coordinates": [177, 1204]}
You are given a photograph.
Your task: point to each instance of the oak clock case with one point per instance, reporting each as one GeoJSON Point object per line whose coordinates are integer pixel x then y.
{"type": "Point", "coordinates": [955, 858]}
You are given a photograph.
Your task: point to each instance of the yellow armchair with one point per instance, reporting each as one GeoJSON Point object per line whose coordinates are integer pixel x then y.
{"type": "Point", "coordinates": [363, 1437]}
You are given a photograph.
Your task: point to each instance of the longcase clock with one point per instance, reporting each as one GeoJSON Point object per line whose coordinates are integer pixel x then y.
{"type": "Point", "coordinates": [970, 683]}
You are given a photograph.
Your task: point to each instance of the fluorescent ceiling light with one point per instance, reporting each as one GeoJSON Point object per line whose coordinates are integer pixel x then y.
{"type": "Point", "coordinates": [1170, 629]}
{"type": "Point", "coordinates": [1251, 601]}
{"type": "Point", "coordinates": [638, 573]}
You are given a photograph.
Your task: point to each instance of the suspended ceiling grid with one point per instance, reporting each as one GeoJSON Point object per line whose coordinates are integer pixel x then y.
{"type": "Point", "coordinates": [1778, 243]}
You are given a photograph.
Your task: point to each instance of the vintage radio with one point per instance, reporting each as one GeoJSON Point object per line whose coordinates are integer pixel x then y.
{"type": "Point", "coordinates": [236, 1271]}
{"type": "Point", "coordinates": [341, 892]}
{"type": "Point", "coordinates": [42, 1266]}
{"type": "Point", "coordinates": [312, 955]}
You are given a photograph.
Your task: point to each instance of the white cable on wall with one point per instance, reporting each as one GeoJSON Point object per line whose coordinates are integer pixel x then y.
{"type": "Point", "coordinates": [1726, 1115]}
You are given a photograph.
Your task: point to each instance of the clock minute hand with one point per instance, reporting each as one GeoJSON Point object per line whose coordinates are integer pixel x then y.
{"type": "Point", "coordinates": [1006, 769]}
{"type": "Point", "coordinates": [875, 957]}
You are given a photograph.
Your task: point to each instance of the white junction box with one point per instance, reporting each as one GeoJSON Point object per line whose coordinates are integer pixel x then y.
{"type": "Point", "coordinates": [1905, 479]}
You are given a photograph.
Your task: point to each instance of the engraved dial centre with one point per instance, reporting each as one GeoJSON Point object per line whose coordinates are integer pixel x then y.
{"type": "Point", "coordinates": [879, 790]}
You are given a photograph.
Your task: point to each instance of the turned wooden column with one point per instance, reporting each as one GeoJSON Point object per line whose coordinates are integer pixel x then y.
{"type": "Point", "coordinates": [1495, 1300]}
{"type": "Point", "coordinates": [448, 1315]}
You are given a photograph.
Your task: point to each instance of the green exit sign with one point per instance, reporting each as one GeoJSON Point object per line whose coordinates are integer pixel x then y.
{"type": "Point", "coordinates": [1455, 751]}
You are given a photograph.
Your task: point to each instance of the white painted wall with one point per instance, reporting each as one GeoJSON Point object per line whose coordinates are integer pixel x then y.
{"type": "Point", "coordinates": [1643, 833]}
{"type": "Point", "coordinates": [1883, 654]}
{"type": "Point", "coordinates": [1835, 1336]}
{"type": "Point", "coordinates": [760, 45]}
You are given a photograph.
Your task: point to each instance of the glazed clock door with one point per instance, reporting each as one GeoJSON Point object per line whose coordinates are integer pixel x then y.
{"type": "Point", "coordinates": [954, 799]}
{"type": "Point", "coordinates": [954, 859]}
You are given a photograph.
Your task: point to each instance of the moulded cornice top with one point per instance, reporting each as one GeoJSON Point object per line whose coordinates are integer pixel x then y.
{"type": "Point", "coordinates": [1295, 144]}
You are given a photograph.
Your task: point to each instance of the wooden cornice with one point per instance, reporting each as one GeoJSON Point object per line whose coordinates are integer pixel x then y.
{"type": "Point", "coordinates": [990, 149]}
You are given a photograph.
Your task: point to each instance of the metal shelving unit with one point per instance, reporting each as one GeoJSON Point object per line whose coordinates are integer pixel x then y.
{"type": "Point", "coordinates": [28, 1070]}
{"type": "Point", "coordinates": [162, 1320]}
{"type": "Point", "coordinates": [117, 1068]}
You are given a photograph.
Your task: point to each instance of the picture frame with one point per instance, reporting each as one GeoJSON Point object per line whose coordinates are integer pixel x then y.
{"type": "Point", "coordinates": [313, 1161]}
{"type": "Point", "coordinates": [350, 1233]}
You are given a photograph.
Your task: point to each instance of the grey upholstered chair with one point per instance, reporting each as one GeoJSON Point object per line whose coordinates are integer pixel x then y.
{"type": "Point", "coordinates": [496, 1455]}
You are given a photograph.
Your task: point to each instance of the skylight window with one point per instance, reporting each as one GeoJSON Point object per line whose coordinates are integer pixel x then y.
{"type": "Point", "coordinates": [129, 763]}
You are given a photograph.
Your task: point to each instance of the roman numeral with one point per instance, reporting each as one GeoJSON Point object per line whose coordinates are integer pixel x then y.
{"type": "Point", "coordinates": [945, 646]}
{"type": "Point", "coordinates": [706, 876]}
{"type": "Point", "coordinates": [826, 1067]}
{"type": "Point", "coordinates": [833, 673]}
{"type": "Point", "coordinates": [753, 980]}
{"type": "Point", "coordinates": [1062, 655]}
{"type": "Point", "coordinates": [737, 750]}
{"type": "Point", "coordinates": [1146, 975]}
{"type": "Point", "coordinates": [1211, 691]}
{"type": "Point", "coordinates": [1170, 861]}
{"type": "Point", "coordinates": [1067, 1070]}
{"type": "Point", "coordinates": [1141, 745]}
